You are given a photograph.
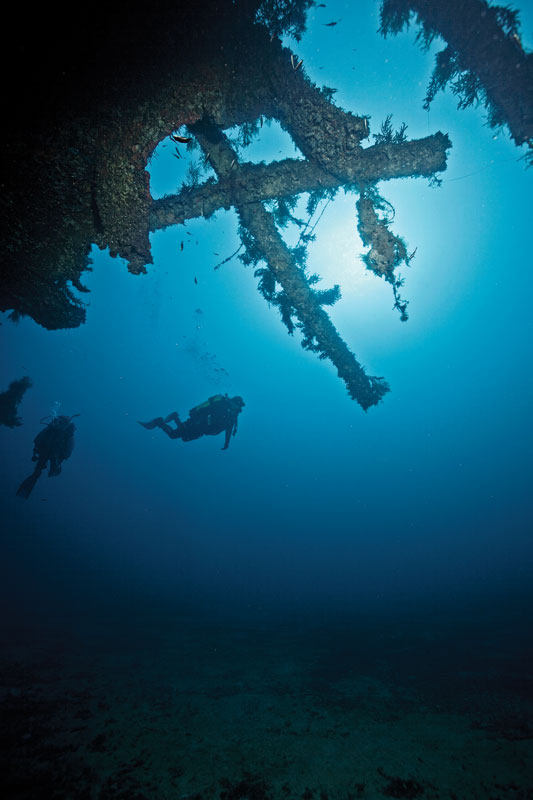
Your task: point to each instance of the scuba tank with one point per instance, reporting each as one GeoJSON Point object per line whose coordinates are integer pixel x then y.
{"type": "Point", "coordinates": [216, 398]}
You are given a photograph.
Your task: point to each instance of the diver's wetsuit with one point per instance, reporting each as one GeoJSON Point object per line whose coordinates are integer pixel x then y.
{"type": "Point", "coordinates": [52, 445]}
{"type": "Point", "coordinates": [217, 414]}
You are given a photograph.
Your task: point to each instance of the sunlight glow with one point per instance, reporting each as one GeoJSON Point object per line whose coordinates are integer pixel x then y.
{"type": "Point", "coordinates": [336, 253]}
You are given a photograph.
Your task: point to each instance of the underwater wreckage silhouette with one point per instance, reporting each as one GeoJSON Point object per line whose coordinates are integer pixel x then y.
{"type": "Point", "coordinates": [113, 207]}
{"type": "Point", "coordinates": [246, 186]}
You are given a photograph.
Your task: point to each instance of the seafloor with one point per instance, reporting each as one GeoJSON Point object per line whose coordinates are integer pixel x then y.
{"type": "Point", "coordinates": [256, 710]}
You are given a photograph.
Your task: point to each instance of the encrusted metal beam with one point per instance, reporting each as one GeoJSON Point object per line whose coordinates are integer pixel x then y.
{"type": "Point", "coordinates": [259, 223]}
{"type": "Point", "coordinates": [415, 158]}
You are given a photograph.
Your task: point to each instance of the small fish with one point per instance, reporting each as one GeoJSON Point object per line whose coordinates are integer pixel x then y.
{"type": "Point", "coordinates": [181, 139]}
{"type": "Point", "coordinates": [299, 64]}
{"type": "Point", "coordinates": [195, 279]}
{"type": "Point", "coordinates": [331, 24]}
{"type": "Point", "coordinates": [232, 163]}
{"type": "Point", "coordinates": [189, 233]}
{"type": "Point", "coordinates": [181, 246]}
{"type": "Point", "coordinates": [176, 155]}
{"type": "Point", "coordinates": [412, 254]}
{"type": "Point", "coordinates": [321, 5]}
{"type": "Point", "coordinates": [216, 254]}
{"type": "Point", "coordinates": [261, 120]}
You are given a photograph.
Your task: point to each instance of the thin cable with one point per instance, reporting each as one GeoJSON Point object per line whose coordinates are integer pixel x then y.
{"type": "Point", "coordinates": [469, 174]}
{"type": "Point", "coordinates": [328, 201]}
{"type": "Point", "coordinates": [225, 261]}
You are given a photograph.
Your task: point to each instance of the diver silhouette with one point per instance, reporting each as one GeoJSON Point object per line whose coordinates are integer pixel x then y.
{"type": "Point", "coordinates": [52, 445]}
{"type": "Point", "coordinates": [218, 413]}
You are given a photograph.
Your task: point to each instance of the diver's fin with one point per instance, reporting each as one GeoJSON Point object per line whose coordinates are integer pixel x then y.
{"type": "Point", "coordinates": [154, 423]}
{"type": "Point", "coordinates": [26, 487]}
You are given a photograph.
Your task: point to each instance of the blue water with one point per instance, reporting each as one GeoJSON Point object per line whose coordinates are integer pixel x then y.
{"type": "Point", "coordinates": [318, 512]}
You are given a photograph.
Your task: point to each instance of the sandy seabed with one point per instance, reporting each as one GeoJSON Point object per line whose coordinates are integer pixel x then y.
{"type": "Point", "coordinates": [260, 713]}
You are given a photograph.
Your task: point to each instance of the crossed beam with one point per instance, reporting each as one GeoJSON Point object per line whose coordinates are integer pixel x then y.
{"type": "Point", "coordinates": [246, 186]}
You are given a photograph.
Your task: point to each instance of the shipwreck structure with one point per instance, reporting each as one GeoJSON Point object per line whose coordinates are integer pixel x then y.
{"type": "Point", "coordinates": [483, 61]}
{"type": "Point", "coordinates": [81, 179]}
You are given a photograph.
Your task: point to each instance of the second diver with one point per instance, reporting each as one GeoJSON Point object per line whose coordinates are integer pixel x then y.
{"type": "Point", "coordinates": [218, 413]}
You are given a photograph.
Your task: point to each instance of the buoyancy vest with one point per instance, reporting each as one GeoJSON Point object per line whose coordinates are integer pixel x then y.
{"type": "Point", "coordinates": [216, 398]}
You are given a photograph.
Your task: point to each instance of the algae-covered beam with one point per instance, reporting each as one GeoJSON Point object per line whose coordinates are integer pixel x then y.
{"type": "Point", "coordinates": [484, 58]}
{"type": "Point", "coordinates": [260, 225]}
{"type": "Point", "coordinates": [10, 400]}
{"type": "Point", "coordinates": [365, 389]}
{"type": "Point", "coordinates": [331, 137]}
{"type": "Point", "coordinates": [416, 158]}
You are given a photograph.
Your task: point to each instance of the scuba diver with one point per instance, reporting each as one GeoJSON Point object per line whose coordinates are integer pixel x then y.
{"type": "Point", "coordinates": [54, 444]}
{"type": "Point", "coordinates": [217, 414]}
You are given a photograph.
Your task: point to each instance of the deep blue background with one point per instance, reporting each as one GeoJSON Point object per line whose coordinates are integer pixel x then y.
{"type": "Point", "coordinates": [317, 508]}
